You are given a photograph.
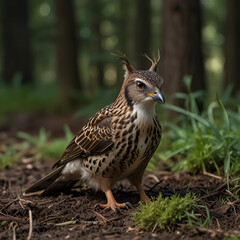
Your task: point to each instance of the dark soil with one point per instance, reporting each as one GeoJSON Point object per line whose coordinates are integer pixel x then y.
{"type": "Point", "coordinates": [75, 215]}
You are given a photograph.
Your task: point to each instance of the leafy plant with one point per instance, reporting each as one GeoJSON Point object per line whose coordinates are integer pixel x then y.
{"type": "Point", "coordinates": [45, 147]}
{"type": "Point", "coordinates": [163, 213]}
{"type": "Point", "coordinates": [207, 141]}
{"type": "Point", "coordinates": [223, 200]}
{"type": "Point", "coordinates": [196, 221]}
{"type": "Point", "coordinates": [9, 157]}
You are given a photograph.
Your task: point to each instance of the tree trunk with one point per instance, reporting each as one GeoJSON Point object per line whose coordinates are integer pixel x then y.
{"type": "Point", "coordinates": [67, 66]}
{"type": "Point", "coordinates": [142, 31]}
{"type": "Point", "coordinates": [232, 50]}
{"type": "Point", "coordinates": [125, 27]}
{"type": "Point", "coordinates": [16, 41]}
{"type": "Point", "coordinates": [182, 53]}
{"type": "Point", "coordinates": [96, 47]}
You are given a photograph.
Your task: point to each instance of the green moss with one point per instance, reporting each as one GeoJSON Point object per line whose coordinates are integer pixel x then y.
{"type": "Point", "coordinates": [234, 237]}
{"type": "Point", "coordinates": [163, 213]}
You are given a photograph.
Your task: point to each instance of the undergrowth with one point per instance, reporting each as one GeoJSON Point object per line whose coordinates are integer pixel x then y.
{"type": "Point", "coordinates": [164, 213]}
{"type": "Point", "coordinates": [44, 147]}
{"type": "Point", "coordinates": [8, 157]}
{"type": "Point", "coordinates": [41, 146]}
{"type": "Point", "coordinates": [204, 141]}
{"type": "Point", "coordinates": [26, 98]}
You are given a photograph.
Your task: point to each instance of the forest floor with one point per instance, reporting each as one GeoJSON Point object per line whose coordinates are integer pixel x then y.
{"type": "Point", "coordinates": [74, 215]}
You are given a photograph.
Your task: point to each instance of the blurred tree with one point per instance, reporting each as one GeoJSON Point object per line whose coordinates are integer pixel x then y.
{"type": "Point", "coordinates": [232, 50]}
{"type": "Point", "coordinates": [182, 53]}
{"type": "Point", "coordinates": [67, 66]}
{"type": "Point", "coordinates": [142, 31]}
{"type": "Point", "coordinates": [125, 32]}
{"type": "Point", "coordinates": [96, 43]}
{"type": "Point", "coordinates": [16, 41]}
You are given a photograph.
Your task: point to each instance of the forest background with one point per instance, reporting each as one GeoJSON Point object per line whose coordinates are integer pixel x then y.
{"type": "Point", "coordinates": [57, 57]}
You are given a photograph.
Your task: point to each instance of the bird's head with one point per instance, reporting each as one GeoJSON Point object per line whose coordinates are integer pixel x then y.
{"type": "Point", "coordinates": [142, 86]}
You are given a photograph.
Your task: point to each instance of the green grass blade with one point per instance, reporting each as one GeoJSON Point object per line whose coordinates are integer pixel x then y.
{"type": "Point", "coordinates": [225, 115]}
{"type": "Point", "coordinates": [194, 116]}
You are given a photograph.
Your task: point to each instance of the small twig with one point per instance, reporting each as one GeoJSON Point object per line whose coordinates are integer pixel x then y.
{"type": "Point", "coordinates": [154, 177]}
{"type": "Point", "coordinates": [213, 233]}
{"type": "Point", "coordinates": [11, 218]}
{"type": "Point", "coordinates": [49, 219]}
{"type": "Point", "coordinates": [9, 204]}
{"type": "Point", "coordinates": [216, 191]}
{"type": "Point", "coordinates": [64, 200]}
{"type": "Point", "coordinates": [26, 201]}
{"type": "Point", "coordinates": [20, 203]}
{"type": "Point", "coordinates": [30, 225]}
{"type": "Point", "coordinates": [212, 175]}
{"type": "Point", "coordinates": [13, 225]}
{"type": "Point", "coordinates": [105, 220]}
{"type": "Point", "coordinates": [236, 201]}
{"type": "Point", "coordinates": [228, 192]}
{"type": "Point", "coordinates": [154, 228]}
{"type": "Point", "coordinates": [218, 224]}
{"type": "Point", "coordinates": [197, 214]}
{"type": "Point", "coordinates": [66, 223]}
{"type": "Point", "coordinates": [116, 218]}
{"type": "Point", "coordinates": [154, 186]}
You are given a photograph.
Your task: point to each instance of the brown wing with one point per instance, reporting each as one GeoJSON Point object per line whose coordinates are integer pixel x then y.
{"type": "Point", "coordinates": [93, 139]}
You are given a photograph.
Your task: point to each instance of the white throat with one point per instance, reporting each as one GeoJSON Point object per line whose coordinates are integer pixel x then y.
{"type": "Point", "coordinates": [145, 111]}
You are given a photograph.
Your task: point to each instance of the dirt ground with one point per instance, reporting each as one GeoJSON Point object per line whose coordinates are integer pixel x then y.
{"type": "Point", "coordinates": [74, 215]}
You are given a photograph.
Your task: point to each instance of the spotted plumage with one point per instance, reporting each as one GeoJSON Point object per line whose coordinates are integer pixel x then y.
{"type": "Point", "coordinates": [116, 143]}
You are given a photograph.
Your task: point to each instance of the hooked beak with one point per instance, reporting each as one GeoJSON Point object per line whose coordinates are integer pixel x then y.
{"type": "Point", "coordinates": [157, 96]}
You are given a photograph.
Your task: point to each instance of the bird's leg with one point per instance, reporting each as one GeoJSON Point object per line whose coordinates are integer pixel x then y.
{"type": "Point", "coordinates": [111, 202]}
{"type": "Point", "coordinates": [143, 197]}
{"type": "Point", "coordinates": [136, 180]}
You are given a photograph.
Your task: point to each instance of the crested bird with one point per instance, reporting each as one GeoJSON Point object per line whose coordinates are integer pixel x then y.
{"type": "Point", "coordinates": [116, 143]}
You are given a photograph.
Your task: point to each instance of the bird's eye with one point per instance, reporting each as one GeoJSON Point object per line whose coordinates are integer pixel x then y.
{"type": "Point", "coordinates": [140, 85]}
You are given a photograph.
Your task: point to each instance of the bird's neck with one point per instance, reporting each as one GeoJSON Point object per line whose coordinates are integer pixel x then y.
{"type": "Point", "coordinates": [123, 101]}
{"type": "Point", "coordinates": [145, 111]}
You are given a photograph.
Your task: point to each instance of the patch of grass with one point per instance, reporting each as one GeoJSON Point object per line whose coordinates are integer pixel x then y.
{"type": "Point", "coordinates": [45, 147]}
{"type": "Point", "coordinates": [193, 220]}
{"type": "Point", "coordinates": [41, 146]}
{"type": "Point", "coordinates": [8, 157]}
{"type": "Point", "coordinates": [207, 141]}
{"type": "Point", "coordinates": [164, 213]}
{"type": "Point", "coordinates": [223, 200]}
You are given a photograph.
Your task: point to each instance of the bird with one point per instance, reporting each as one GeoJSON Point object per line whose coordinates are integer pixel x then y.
{"type": "Point", "coordinates": [116, 143]}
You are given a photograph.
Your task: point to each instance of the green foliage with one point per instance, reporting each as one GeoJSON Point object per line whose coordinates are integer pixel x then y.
{"type": "Point", "coordinates": [195, 221]}
{"type": "Point", "coordinates": [41, 146]}
{"type": "Point", "coordinates": [9, 157]}
{"type": "Point", "coordinates": [3, 223]}
{"type": "Point", "coordinates": [164, 213]}
{"type": "Point", "coordinates": [18, 98]}
{"type": "Point", "coordinates": [234, 237]}
{"type": "Point", "coordinates": [206, 141]}
{"type": "Point", "coordinates": [45, 147]}
{"type": "Point", "coordinates": [223, 200]}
